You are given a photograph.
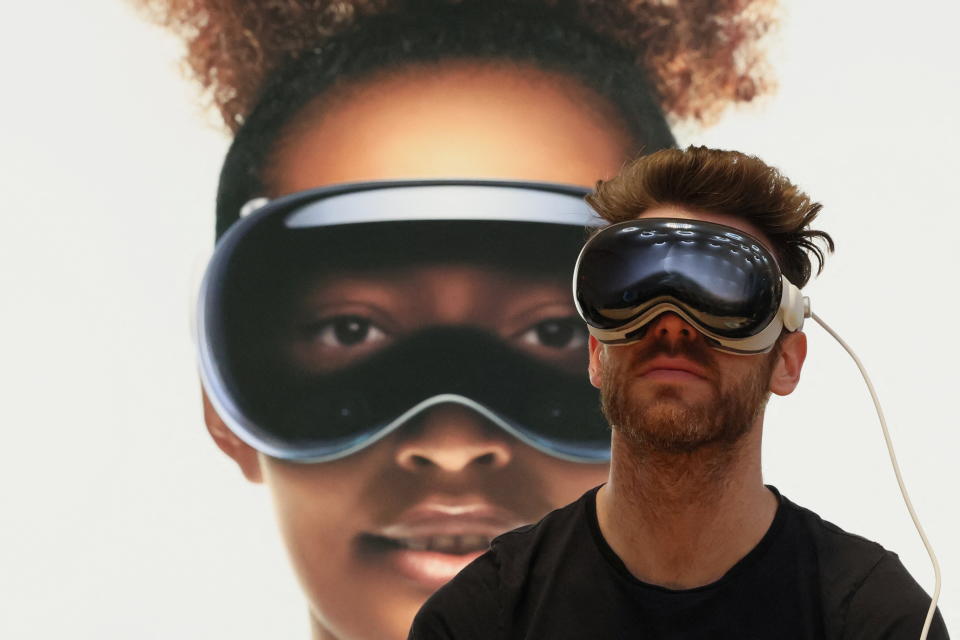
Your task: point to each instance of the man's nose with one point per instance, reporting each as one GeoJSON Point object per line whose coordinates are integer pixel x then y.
{"type": "Point", "coordinates": [452, 438]}
{"type": "Point", "coordinates": [672, 329]}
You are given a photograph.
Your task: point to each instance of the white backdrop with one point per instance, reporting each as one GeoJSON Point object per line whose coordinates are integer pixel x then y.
{"type": "Point", "coordinates": [118, 516]}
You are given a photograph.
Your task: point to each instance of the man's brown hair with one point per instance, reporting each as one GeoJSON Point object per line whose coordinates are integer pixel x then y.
{"type": "Point", "coordinates": [727, 182]}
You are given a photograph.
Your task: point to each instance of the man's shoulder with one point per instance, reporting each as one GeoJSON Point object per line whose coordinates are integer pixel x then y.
{"type": "Point", "coordinates": [836, 547]}
{"type": "Point", "coordinates": [866, 591]}
{"type": "Point", "coordinates": [524, 544]}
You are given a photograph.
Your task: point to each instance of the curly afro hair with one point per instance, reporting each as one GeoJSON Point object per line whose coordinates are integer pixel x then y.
{"type": "Point", "coordinates": [700, 55]}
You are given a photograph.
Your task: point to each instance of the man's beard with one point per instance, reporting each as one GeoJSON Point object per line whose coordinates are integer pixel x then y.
{"type": "Point", "coordinates": [668, 424]}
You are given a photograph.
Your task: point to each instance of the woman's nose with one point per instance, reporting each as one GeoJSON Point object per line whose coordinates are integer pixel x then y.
{"type": "Point", "coordinates": [452, 438]}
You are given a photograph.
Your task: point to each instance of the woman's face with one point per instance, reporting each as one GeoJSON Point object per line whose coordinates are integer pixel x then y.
{"type": "Point", "coordinates": [373, 534]}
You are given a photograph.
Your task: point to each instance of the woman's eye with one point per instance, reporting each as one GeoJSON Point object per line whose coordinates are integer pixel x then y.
{"type": "Point", "coordinates": [557, 333]}
{"type": "Point", "coordinates": [347, 331]}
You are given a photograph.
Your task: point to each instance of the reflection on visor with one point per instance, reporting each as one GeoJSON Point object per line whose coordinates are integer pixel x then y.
{"type": "Point", "coordinates": [721, 278]}
{"type": "Point", "coordinates": [445, 202]}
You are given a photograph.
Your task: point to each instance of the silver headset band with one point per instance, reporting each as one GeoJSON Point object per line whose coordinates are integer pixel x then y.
{"type": "Point", "coordinates": [794, 307]}
{"type": "Point", "coordinates": [495, 202]}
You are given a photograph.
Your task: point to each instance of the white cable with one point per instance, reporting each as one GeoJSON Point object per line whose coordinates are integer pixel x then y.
{"type": "Point", "coordinates": [896, 471]}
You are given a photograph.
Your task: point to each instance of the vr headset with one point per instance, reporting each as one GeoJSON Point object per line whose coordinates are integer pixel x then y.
{"type": "Point", "coordinates": [722, 281]}
{"type": "Point", "coordinates": [360, 383]}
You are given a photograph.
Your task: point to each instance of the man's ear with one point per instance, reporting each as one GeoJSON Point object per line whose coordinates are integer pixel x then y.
{"type": "Point", "coordinates": [243, 454]}
{"type": "Point", "coordinates": [786, 370]}
{"type": "Point", "coordinates": [595, 367]}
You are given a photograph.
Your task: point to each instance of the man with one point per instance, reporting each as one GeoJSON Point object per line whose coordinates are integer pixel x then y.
{"type": "Point", "coordinates": [692, 303]}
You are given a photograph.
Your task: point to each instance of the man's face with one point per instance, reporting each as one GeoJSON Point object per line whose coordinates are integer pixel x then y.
{"type": "Point", "coordinates": [671, 392]}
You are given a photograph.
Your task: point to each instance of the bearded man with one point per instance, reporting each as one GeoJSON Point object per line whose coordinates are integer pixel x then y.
{"type": "Point", "coordinates": [691, 296]}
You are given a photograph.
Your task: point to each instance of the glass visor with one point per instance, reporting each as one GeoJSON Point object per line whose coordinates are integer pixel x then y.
{"type": "Point", "coordinates": [329, 318]}
{"type": "Point", "coordinates": [722, 280]}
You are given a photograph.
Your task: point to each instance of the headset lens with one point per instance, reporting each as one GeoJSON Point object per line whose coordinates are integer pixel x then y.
{"type": "Point", "coordinates": [722, 278]}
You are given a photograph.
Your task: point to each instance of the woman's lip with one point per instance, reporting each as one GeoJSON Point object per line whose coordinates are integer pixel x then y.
{"type": "Point", "coordinates": [444, 518]}
{"type": "Point", "coordinates": [450, 526]}
{"type": "Point", "coordinates": [408, 545]}
{"type": "Point", "coordinates": [430, 558]}
{"type": "Point", "coordinates": [429, 568]}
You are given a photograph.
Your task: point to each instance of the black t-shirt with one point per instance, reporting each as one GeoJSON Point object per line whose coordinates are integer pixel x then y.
{"type": "Point", "coordinates": [558, 579]}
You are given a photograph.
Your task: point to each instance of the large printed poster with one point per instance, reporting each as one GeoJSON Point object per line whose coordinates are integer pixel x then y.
{"type": "Point", "coordinates": [387, 344]}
